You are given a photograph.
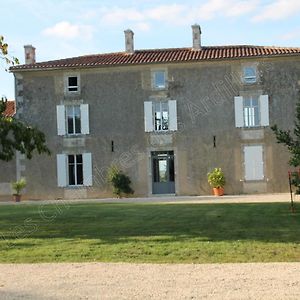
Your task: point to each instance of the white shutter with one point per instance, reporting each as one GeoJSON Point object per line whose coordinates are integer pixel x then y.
{"type": "Point", "coordinates": [264, 110]}
{"type": "Point", "coordinates": [61, 161]}
{"type": "Point", "coordinates": [172, 115]}
{"type": "Point", "coordinates": [61, 119]}
{"type": "Point", "coordinates": [238, 111]}
{"type": "Point", "coordinates": [84, 114]}
{"type": "Point", "coordinates": [148, 116]}
{"type": "Point", "coordinates": [87, 169]}
{"type": "Point", "coordinates": [254, 166]}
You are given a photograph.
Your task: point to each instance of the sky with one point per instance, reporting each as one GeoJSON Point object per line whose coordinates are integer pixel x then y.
{"type": "Point", "coordinates": [68, 28]}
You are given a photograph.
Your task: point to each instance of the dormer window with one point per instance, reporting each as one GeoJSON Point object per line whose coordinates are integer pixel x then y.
{"type": "Point", "coordinates": [159, 79]}
{"type": "Point", "coordinates": [73, 84]}
{"type": "Point", "coordinates": [249, 74]}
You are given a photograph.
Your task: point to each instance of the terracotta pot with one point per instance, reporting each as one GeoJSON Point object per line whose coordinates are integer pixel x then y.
{"type": "Point", "coordinates": [16, 198]}
{"type": "Point", "coordinates": [218, 191]}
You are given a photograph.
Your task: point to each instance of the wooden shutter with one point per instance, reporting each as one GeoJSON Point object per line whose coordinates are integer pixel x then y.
{"type": "Point", "coordinates": [172, 115]}
{"type": "Point", "coordinates": [61, 170]}
{"type": "Point", "coordinates": [61, 119]}
{"type": "Point", "coordinates": [148, 116]}
{"type": "Point", "coordinates": [84, 114]}
{"type": "Point", "coordinates": [238, 111]}
{"type": "Point", "coordinates": [264, 110]}
{"type": "Point", "coordinates": [254, 166]}
{"type": "Point", "coordinates": [87, 169]}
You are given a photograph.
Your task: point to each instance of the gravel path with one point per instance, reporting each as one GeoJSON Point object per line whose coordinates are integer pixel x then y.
{"type": "Point", "coordinates": [150, 281]}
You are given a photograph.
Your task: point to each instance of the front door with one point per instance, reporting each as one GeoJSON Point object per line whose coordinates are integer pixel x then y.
{"type": "Point", "coordinates": [163, 179]}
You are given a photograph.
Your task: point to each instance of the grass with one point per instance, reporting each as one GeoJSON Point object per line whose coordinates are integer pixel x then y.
{"type": "Point", "coordinates": [159, 233]}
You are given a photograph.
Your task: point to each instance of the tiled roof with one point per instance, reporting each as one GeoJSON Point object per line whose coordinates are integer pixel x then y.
{"type": "Point", "coordinates": [10, 109]}
{"type": "Point", "coordinates": [162, 56]}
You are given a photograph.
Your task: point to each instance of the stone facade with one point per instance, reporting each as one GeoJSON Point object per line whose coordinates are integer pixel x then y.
{"type": "Point", "coordinates": [206, 135]}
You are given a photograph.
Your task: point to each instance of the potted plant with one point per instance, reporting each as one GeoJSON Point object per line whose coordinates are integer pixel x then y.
{"type": "Point", "coordinates": [18, 186]}
{"type": "Point", "coordinates": [216, 179]}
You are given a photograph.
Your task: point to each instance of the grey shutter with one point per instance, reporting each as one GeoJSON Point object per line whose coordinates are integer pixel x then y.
{"type": "Point", "coordinates": [87, 169]}
{"type": "Point", "coordinates": [84, 115]}
{"type": "Point", "coordinates": [148, 116]}
{"type": "Point", "coordinates": [172, 115]}
{"type": "Point", "coordinates": [61, 119]}
{"type": "Point", "coordinates": [254, 166]}
{"type": "Point", "coordinates": [238, 111]}
{"type": "Point", "coordinates": [61, 170]}
{"type": "Point", "coordinates": [264, 110]}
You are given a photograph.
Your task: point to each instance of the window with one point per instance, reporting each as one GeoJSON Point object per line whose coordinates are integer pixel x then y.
{"type": "Point", "coordinates": [251, 112]}
{"type": "Point", "coordinates": [72, 84]}
{"type": "Point", "coordinates": [249, 74]}
{"type": "Point", "coordinates": [72, 119]}
{"type": "Point", "coordinates": [74, 170]}
{"type": "Point", "coordinates": [160, 116]}
{"type": "Point", "coordinates": [159, 79]}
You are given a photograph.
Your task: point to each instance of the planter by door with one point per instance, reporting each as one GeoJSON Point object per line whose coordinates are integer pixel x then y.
{"type": "Point", "coordinates": [17, 198]}
{"type": "Point", "coordinates": [218, 191]}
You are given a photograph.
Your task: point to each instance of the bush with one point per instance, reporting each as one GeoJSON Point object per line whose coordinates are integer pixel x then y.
{"type": "Point", "coordinates": [120, 182]}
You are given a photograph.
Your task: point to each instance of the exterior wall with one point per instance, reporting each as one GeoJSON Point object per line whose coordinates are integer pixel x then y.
{"type": "Point", "coordinates": [7, 175]}
{"type": "Point", "coordinates": [205, 109]}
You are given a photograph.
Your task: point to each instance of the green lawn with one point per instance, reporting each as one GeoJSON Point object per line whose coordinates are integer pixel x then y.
{"type": "Point", "coordinates": [161, 233]}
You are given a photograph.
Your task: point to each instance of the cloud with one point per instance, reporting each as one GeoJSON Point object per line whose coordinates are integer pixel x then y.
{"type": "Point", "coordinates": [142, 26]}
{"type": "Point", "coordinates": [119, 15]}
{"type": "Point", "coordinates": [66, 30]}
{"type": "Point", "coordinates": [278, 10]}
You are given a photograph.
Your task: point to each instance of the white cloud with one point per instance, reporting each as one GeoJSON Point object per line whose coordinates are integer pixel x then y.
{"type": "Point", "coordinates": [166, 12]}
{"type": "Point", "coordinates": [278, 10]}
{"type": "Point", "coordinates": [66, 30]}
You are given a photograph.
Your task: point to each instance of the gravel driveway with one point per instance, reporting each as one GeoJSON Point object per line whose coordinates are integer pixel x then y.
{"type": "Point", "coordinates": [150, 281]}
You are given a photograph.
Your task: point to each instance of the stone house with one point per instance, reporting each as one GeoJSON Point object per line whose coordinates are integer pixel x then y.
{"type": "Point", "coordinates": [166, 116]}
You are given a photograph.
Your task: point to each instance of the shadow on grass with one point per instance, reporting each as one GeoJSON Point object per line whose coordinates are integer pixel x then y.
{"type": "Point", "coordinates": [112, 223]}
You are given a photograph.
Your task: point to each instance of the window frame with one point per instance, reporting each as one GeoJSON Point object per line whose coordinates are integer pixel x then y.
{"type": "Point", "coordinates": [251, 98]}
{"type": "Point", "coordinates": [74, 120]}
{"type": "Point", "coordinates": [156, 86]}
{"type": "Point", "coordinates": [154, 103]}
{"type": "Point", "coordinates": [75, 170]}
{"type": "Point", "coordinates": [249, 79]}
{"type": "Point", "coordinates": [67, 76]}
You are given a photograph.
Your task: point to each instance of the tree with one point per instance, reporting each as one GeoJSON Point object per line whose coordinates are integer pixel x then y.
{"type": "Point", "coordinates": [15, 134]}
{"type": "Point", "coordinates": [291, 141]}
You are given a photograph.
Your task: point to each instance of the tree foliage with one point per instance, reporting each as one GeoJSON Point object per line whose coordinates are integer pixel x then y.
{"type": "Point", "coordinates": [291, 139]}
{"type": "Point", "coordinates": [4, 55]}
{"type": "Point", "coordinates": [14, 134]}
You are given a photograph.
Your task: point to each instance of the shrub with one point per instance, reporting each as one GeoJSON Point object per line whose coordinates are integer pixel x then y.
{"type": "Point", "coordinates": [120, 182]}
{"type": "Point", "coordinates": [216, 178]}
{"type": "Point", "coordinates": [19, 185]}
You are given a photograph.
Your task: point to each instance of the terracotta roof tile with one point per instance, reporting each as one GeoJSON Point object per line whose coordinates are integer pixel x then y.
{"type": "Point", "coordinates": [162, 56]}
{"type": "Point", "coordinates": [10, 110]}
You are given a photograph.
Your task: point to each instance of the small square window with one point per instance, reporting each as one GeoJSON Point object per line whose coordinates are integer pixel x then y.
{"type": "Point", "coordinates": [73, 84]}
{"type": "Point", "coordinates": [159, 79]}
{"type": "Point", "coordinates": [249, 74]}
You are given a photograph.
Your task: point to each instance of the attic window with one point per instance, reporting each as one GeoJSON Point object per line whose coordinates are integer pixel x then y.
{"type": "Point", "coordinates": [73, 84]}
{"type": "Point", "coordinates": [249, 74]}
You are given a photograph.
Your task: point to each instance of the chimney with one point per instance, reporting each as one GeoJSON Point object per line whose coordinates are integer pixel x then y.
{"type": "Point", "coordinates": [129, 41]}
{"type": "Point", "coordinates": [29, 54]}
{"type": "Point", "coordinates": [196, 36]}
